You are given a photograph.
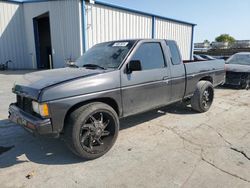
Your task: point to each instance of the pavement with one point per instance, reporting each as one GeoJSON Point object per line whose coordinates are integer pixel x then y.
{"type": "Point", "coordinates": [170, 147]}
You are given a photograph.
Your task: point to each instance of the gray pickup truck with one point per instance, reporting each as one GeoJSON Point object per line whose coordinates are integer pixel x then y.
{"type": "Point", "coordinates": [83, 103]}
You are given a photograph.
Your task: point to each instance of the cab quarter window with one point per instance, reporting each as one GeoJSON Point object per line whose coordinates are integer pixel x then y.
{"type": "Point", "coordinates": [175, 55]}
{"type": "Point", "coordinates": [150, 56]}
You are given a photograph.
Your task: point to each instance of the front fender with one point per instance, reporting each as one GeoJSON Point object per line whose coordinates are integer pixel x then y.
{"type": "Point", "coordinates": [68, 94]}
{"type": "Point", "coordinates": [59, 108]}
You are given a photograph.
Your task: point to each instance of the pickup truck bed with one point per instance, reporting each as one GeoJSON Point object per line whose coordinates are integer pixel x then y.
{"type": "Point", "coordinates": [83, 102]}
{"type": "Point", "coordinates": [212, 70]}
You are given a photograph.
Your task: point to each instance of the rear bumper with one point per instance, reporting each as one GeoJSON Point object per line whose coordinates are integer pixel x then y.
{"type": "Point", "coordinates": [31, 123]}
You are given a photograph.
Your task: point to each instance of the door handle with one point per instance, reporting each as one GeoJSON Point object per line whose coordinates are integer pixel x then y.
{"type": "Point", "coordinates": [165, 78]}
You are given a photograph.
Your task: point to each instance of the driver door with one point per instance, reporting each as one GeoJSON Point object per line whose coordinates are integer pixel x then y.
{"type": "Point", "coordinates": [148, 88]}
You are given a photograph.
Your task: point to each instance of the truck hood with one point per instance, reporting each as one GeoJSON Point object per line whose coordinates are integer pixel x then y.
{"type": "Point", "coordinates": [32, 84]}
{"type": "Point", "coordinates": [237, 68]}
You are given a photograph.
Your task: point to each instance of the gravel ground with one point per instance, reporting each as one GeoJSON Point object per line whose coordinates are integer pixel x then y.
{"type": "Point", "coordinates": [172, 147]}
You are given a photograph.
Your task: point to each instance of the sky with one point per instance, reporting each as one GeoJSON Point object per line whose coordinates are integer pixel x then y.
{"type": "Point", "coordinates": [213, 17]}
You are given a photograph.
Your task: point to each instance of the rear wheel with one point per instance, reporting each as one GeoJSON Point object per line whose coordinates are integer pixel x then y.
{"type": "Point", "coordinates": [92, 130]}
{"type": "Point", "coordinates": [203, 96]}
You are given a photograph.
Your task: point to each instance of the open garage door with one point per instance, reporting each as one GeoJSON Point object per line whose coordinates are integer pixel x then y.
{"type": "Point", "coordinates": [43, 41]}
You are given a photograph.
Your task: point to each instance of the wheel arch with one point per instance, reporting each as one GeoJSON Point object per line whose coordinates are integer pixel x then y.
{"type": "Point", "coordinates": [106, 100]}
{"type": "Point", "coordinates": [207, 78]}
{"type": "Point", "coordinates": [198, 96]}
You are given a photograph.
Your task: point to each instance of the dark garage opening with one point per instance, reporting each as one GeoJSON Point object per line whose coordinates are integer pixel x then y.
{"type": "Point", "coordinates": [43, 41]}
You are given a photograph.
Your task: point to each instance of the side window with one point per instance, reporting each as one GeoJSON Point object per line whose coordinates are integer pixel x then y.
{"type": "Point", "coordinates": [151, 56]}
{"type": "Point", "coordinates": [175, 54]}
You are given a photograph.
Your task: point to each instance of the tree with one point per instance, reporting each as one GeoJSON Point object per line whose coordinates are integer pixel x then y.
{"type": "Point", "coordinates": [225, 38]}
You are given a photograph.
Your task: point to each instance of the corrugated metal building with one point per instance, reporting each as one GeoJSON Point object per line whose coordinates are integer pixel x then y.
{"type": "Point", "coordinates": [35, 33]}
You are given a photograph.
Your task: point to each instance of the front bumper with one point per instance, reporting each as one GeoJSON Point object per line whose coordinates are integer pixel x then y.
{"type": "Point", "coordinates": [31, 123]}
{"type": "Point", "coordinates": [234, 82]}
{"type": "Point", "coordinates": [237, 78]}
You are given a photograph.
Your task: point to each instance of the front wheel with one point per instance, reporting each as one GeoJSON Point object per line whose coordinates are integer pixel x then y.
{"type": "Point", "coordinates": [203, 96]}
{"type": "Point", "coordinates": [92, 130]}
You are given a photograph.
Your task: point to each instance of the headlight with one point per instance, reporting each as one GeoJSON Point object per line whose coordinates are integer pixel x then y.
{"type": "Point", "coordinates": [41, 109]}
{"type": "Point", "coordinates": [35, 107]}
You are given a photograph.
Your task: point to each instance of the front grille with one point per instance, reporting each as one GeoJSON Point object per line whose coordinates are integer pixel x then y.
{"type": "Point", "coordinates": [25, 104]}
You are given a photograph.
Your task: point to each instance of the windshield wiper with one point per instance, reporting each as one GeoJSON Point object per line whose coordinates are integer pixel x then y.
{"type": "Point", "coordinates": [93, 66]}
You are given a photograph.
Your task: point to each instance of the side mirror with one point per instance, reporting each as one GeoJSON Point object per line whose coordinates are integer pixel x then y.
{"type": "Point", "coordinates": [134, 65]}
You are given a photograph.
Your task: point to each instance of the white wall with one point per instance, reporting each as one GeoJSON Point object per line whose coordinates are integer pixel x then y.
{"type": "Point", "coordinates": [105, 23]}
{"type": "Point", "coordinates": [181, 33]}
{"type": "Point", "coordinates": [64, 25]}
{"type": "Point", "coordinates": [12, 35]}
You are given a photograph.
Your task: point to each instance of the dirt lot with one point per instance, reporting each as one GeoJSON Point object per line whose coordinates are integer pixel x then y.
{"type": "Point", "coordinates": [174, 147]}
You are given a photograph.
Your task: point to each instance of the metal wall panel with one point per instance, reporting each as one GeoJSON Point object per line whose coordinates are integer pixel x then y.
{"type": "Point", "coordinates": [106, 23]}
{"type": "Point", "coordinates": [65, 27]}
{"type": "Point", "coordinates": [12, 37]}
{"type": "Point", "coordinates": [181, 33]}
{"type": "Point", "coordinates": [102, 23]}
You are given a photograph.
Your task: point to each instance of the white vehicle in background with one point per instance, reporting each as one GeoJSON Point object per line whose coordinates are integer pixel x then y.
{"type": "Point", "coordinates": [241, 44]}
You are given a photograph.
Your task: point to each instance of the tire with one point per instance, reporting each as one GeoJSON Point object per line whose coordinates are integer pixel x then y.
{"type": "Point", "coordinates": [203, 96]}
{"type": "Point", "coordinates": [91, 130]}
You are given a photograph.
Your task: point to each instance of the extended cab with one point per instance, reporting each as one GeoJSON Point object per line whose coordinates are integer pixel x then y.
{"type": "Point", "coordinates": [83, 102]}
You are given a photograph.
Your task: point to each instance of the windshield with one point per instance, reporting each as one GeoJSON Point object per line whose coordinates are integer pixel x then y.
{"type": "Point", "coordinates": [105, 55]}
{"type": "Point", "coordinates": [241, 59]}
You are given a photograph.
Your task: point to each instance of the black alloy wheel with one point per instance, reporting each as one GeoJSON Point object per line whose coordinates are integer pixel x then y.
{"type": "Point", "coordinates": [203, 96]}
{"type": "Point", "coordinates": [91, 130]}
{"type": "Point", "coordinates": [207, 98]}
{"type": "Point", "coordinates": [97, 132]}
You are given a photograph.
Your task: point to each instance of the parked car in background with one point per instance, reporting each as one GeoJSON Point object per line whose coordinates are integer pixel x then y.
{"type": "Point", "coordinates": [198, 58]}
{"type": "Point", "coordinates": [207, 57]}
{"type": "Point", "coordinates": [220, 45]}
{"type": "Point", "coordinates": [238, 70]}
{"type": "Point", "coordinates": [222, 57]}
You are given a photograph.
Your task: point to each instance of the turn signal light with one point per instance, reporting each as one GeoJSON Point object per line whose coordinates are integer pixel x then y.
{"type": "Point", "coordinates": [41, 109]}
{"type": "Point", "coordinates": [44, 110]}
